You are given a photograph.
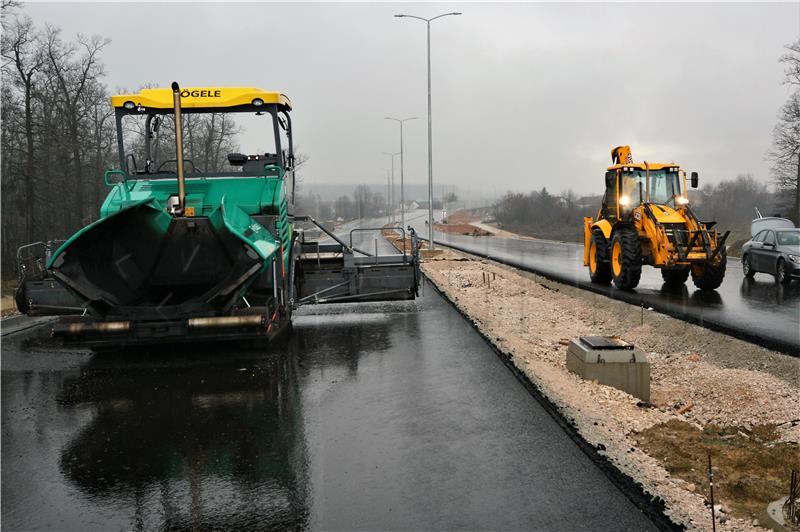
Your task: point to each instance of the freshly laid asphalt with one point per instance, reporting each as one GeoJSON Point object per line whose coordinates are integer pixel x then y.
{"type": "Point", "coordinates": [758, 310]}
{"type": "Point", "coordinates": [367, 416]}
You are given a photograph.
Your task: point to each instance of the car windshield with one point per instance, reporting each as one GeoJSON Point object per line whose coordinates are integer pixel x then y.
{"type": "Point", "coordinates": [664, 186]}
{"type": "Point", "coordinates": [789, 238]}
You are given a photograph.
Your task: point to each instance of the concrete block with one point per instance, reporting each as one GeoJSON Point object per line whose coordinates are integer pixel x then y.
{"type": "Point", "coordinates": [612, 362]}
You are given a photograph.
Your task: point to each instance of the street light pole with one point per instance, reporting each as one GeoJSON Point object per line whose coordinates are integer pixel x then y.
{"type": "Point", "coordinates": [402, 192]}
{"type": "Point", "coordinates": [388, 197]}
{"type": "Point", "coordinates": [430, 127]}
{"type": "Point", "coordinates": [392, 155]}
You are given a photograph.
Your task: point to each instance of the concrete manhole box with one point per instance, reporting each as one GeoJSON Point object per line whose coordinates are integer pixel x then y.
{"type": "Point", "coordinates": [611, 361]}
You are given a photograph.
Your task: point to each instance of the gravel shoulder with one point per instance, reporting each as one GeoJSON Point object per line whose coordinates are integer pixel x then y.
{"type": "Point", "coordinates": [698, 377]}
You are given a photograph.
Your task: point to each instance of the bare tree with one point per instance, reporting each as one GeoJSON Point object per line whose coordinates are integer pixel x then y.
{"type": "Point", "coordinates": [56, 136]}
{"type": "Point", "coordinates": [785, 153]}
{"type": "Point", "coordinates": [22, 62]}
{"type": "Point", "coordinates": [8, 5]}
{"type": "Point", "coordinates": [300, 158]}
{"type": "Point", "coordinates": [217, 132]}
{"type": "Point", "coordinates": [74, 75]}
{"type": "Point", "coordinates": [102, 137]}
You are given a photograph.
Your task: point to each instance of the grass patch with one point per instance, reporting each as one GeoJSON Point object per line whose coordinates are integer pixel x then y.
{"type": "Point", "coordinates": [751, 468]}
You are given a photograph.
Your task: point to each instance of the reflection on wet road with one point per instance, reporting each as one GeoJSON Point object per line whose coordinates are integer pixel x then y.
{"type": "Point", "coordinates": [371, 416]}
{"type": "Point", "coordinates": [758, 309]}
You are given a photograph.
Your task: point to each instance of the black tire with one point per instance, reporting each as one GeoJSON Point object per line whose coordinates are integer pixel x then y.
{"type": "Point", "coordinates": [21, 298]}
{"type": "Point", "coordinates": [602, 271]}
{"type": "Point", "coordinates": [747, 268]}
{"type": "Point", "coordinates": [710, 276]}
{"type": "Point", "coordinates": [626, 267]}
{"type": "Point", "coordinates": [675, 278]}
{"type": "Point", "coordinates": [781, 274]}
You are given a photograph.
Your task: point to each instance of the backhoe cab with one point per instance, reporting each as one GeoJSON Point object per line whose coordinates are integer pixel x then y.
{"type": "Point", "coordinates": [645, 218]}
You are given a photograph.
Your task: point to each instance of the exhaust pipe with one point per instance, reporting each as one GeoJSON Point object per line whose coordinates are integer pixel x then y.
{"type": "Point", "coordinates": [176, 100]}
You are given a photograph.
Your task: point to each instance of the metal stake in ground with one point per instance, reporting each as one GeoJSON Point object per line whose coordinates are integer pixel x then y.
{"type": "Point", "coordinates": [790, 509]}
{"type": "Point", "coordinates": [711, 488]}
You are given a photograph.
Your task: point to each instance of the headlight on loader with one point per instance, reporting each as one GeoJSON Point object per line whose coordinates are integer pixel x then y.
{"type": "Point", "coordinates": [682, 200]}
{"type": "Point", "coordinates": [625, 201]}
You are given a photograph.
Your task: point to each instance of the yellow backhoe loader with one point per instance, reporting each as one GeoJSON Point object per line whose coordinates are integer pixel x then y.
{"type": "Point", "coordinates": [645, 218]}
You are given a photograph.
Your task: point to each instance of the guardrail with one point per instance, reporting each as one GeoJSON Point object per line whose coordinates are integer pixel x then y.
{"type": "Point", "coordinates": [381, 229]}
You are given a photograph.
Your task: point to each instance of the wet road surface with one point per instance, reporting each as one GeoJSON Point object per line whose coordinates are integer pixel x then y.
{"type": "Point", "coordinates": [372, 416]}
{"type": "Point", "coordinates": [758, 310]}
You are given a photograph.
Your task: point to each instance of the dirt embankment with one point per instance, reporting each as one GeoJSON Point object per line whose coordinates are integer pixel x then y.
{"type": "Point", "coordinates": [461, 223]}
{"type": "Point", "coordinates": [467, 223]}
{"type": "Point", "coordinates": [709, 392]}
{"type": "Point", "coordinates": [462, 217]}
{"type": "Point", "coordinates": [461, 229]}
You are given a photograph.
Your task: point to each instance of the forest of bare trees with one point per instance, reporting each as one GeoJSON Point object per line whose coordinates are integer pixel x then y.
{"type": "Point", "coordinates": [364, 203]}
{"type": "Point", "coordinates": [58, 133]}
{"type": "Point", "coordinates": [544, 215]}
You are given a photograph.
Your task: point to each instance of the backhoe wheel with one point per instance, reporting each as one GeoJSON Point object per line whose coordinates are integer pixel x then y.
{"type": "Point", "coordinates": [675, 278]}
{"type": "Point", "coordinates": [710, 276]}
{"type": "Point", "coordinates": [747, 269]}
{"type": "Point", "coordinates": [626, 259]}
{"type": "Point", "coordinates": [599, 267]}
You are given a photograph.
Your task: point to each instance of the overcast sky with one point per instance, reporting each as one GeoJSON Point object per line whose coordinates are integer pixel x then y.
{"type": "Point", "coordinates": [524, 95]}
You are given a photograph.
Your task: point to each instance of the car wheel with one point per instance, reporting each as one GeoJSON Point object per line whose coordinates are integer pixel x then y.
{"type": "Point", "coordinates": [781, 273]}
{"type": "Point", "coordinates": [747, 268]}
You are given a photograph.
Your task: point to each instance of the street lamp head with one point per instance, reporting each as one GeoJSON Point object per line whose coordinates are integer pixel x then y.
{"type": "Point", "coordinates": [428, 20]}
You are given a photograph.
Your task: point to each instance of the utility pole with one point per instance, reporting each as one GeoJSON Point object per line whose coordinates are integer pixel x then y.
{"type": "Point", "coordinates": [392, 155]}
{"type": "Point", "coordinates": [388, 197]}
